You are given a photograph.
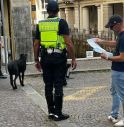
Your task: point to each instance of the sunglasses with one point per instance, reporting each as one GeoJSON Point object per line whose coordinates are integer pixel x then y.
{"type": "Point", "coordinates": [111, 27]}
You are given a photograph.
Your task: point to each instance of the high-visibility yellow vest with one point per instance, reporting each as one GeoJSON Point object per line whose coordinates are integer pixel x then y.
{"type": "Point", "coordinates": [49, 34]}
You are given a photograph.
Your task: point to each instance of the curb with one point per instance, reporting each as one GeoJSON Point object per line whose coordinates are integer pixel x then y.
{"type": "Point", "coordinates": [73, 72]}
{"type": "Point", "coordinates": [40, 101]}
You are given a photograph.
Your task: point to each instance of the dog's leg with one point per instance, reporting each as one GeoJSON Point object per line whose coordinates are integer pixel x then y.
{"type": "Point", "coordinates": [16, 76]}
{"type": "Point", "coordinates": [11, 81]}
{"type": "Point", "coordinates": [22, 79]}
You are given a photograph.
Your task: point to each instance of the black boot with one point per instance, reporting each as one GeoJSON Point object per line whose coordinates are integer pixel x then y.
{"type": "Point", "coordinates": [65, 82]}
{"type": "Point", "coordinates": [2, 76]}
{"type": "Point", "coordinates": [58, 109]}
{"type": "Point", "coordinates": [50, 104]}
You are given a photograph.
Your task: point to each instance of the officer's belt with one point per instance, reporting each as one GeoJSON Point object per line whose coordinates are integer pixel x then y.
{"type": "Point", "coordinates": [53, 50]}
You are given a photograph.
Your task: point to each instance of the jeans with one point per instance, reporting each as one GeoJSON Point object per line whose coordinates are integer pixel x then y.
{"type": "Point", "coordinates": [117, 90]}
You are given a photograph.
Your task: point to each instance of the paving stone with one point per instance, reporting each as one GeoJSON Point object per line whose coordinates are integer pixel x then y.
{"type": "Point", "coordinates": [90, 101]}
{"type": "Point", "coordinates": [86, 98]}
{"type": "Point", "coordinates": [18, 110]}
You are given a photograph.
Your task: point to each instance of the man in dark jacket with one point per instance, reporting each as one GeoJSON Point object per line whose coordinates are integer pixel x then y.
{"type": "Point", "coordinates": [115, 23]}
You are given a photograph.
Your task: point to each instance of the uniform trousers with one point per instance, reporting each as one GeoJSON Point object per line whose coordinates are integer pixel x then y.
{"type": "Point", "coordinates": [54, 76]}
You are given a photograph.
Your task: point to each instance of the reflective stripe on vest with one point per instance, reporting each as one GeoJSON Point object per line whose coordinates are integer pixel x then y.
{"type": "Point", "coordinates": [49, 34]}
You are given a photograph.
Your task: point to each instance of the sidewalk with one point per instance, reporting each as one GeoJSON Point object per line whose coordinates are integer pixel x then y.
{"type": "Point", "coordinates": [87, 99]}
{"type": "Point", "coordinates": [24, 107]}
{"type": "Point", "coordinates": [18, 110]}
{"type": "Point", "coordinates": [83, 65]}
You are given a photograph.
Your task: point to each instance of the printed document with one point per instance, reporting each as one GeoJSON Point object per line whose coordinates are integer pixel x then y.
{"type": "Point", "coordinates": [97, 48]}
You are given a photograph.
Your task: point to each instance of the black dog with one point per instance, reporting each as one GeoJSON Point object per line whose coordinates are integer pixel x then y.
{"type": "Point", "coordinates": [17, 68]}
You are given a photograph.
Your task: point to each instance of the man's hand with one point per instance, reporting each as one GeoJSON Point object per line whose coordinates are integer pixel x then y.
{"type": "Point", "coordinates": [98, 40]}
{"type": "Point", "coordinates": [104, 56]}
{"type": "Point", "coordinates": [38, 66]}
{"type": "Point", "coordinates": [73, 64]}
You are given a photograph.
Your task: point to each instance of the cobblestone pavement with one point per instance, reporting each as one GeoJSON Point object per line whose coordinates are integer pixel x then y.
{"type": "Point", "coordinates": [18, 110]}
{"type": "Point", "coordinates": [87, 97]}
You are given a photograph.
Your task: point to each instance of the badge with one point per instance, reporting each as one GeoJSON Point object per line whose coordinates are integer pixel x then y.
{"type": "Point", "coordinates": [49, 51]}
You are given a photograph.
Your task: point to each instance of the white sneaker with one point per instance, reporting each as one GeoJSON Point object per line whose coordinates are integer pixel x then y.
{"type": "Point", "coordinates": [119, 124]}
{"type": "Point", "coordinates": [112, 119]}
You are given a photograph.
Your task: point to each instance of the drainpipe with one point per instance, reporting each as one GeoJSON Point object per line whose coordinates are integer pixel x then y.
{"type": "Point", "coordinates": [4, 34]}
{"type": "Point", "coordinates": [79, 14]}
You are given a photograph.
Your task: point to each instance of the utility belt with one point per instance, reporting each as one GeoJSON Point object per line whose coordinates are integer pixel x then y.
{"type": "Point", "coordinates": [53, 50]}
{"type": "Point", "coordinates": [53, 55]}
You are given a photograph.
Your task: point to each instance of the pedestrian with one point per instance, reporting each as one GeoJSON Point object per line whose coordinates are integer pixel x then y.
{"type": "Point", "coordinates": [1, 74]}
{"type": "Point", "coordinates": [67, 74]}
{"type": "Point", "coordinates": [115, 23]}
{"type": "Point", "coordinates": [52, 35]}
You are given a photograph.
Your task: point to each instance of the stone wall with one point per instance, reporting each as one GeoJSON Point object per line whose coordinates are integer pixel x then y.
{"type": "Point", "coordinates": [21, 26]}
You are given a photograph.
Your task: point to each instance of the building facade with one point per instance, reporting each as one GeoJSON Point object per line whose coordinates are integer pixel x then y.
{"type": "Point", "coordinates": [37, 10]}
{"type": "Point", "coordinates": [89, 14]}
{"type": "Point", "coordinates": [16, 28]}
{"type": "Point", "coordinates": [17, 24]}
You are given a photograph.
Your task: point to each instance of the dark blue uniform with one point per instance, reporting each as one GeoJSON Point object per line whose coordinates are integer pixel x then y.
{"type": "Point", "coordinates": [54, 67]}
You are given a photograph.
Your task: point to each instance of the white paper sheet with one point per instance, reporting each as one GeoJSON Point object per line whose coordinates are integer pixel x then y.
{"type": "Point", "coordinates": [97, 48]}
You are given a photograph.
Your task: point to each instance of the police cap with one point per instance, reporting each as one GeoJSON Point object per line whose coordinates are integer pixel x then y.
{"type": "Point", "coordinates": [52, 6]}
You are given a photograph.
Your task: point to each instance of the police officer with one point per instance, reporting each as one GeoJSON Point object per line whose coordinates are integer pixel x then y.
{"type": "Point", "coordinates": [52, 35]}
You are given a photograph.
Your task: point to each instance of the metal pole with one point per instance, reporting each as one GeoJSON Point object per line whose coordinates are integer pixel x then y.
{"type": "Point", "coordinates": [79, 13]}
{"type": "Point", "coordinates": [4, 35]}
